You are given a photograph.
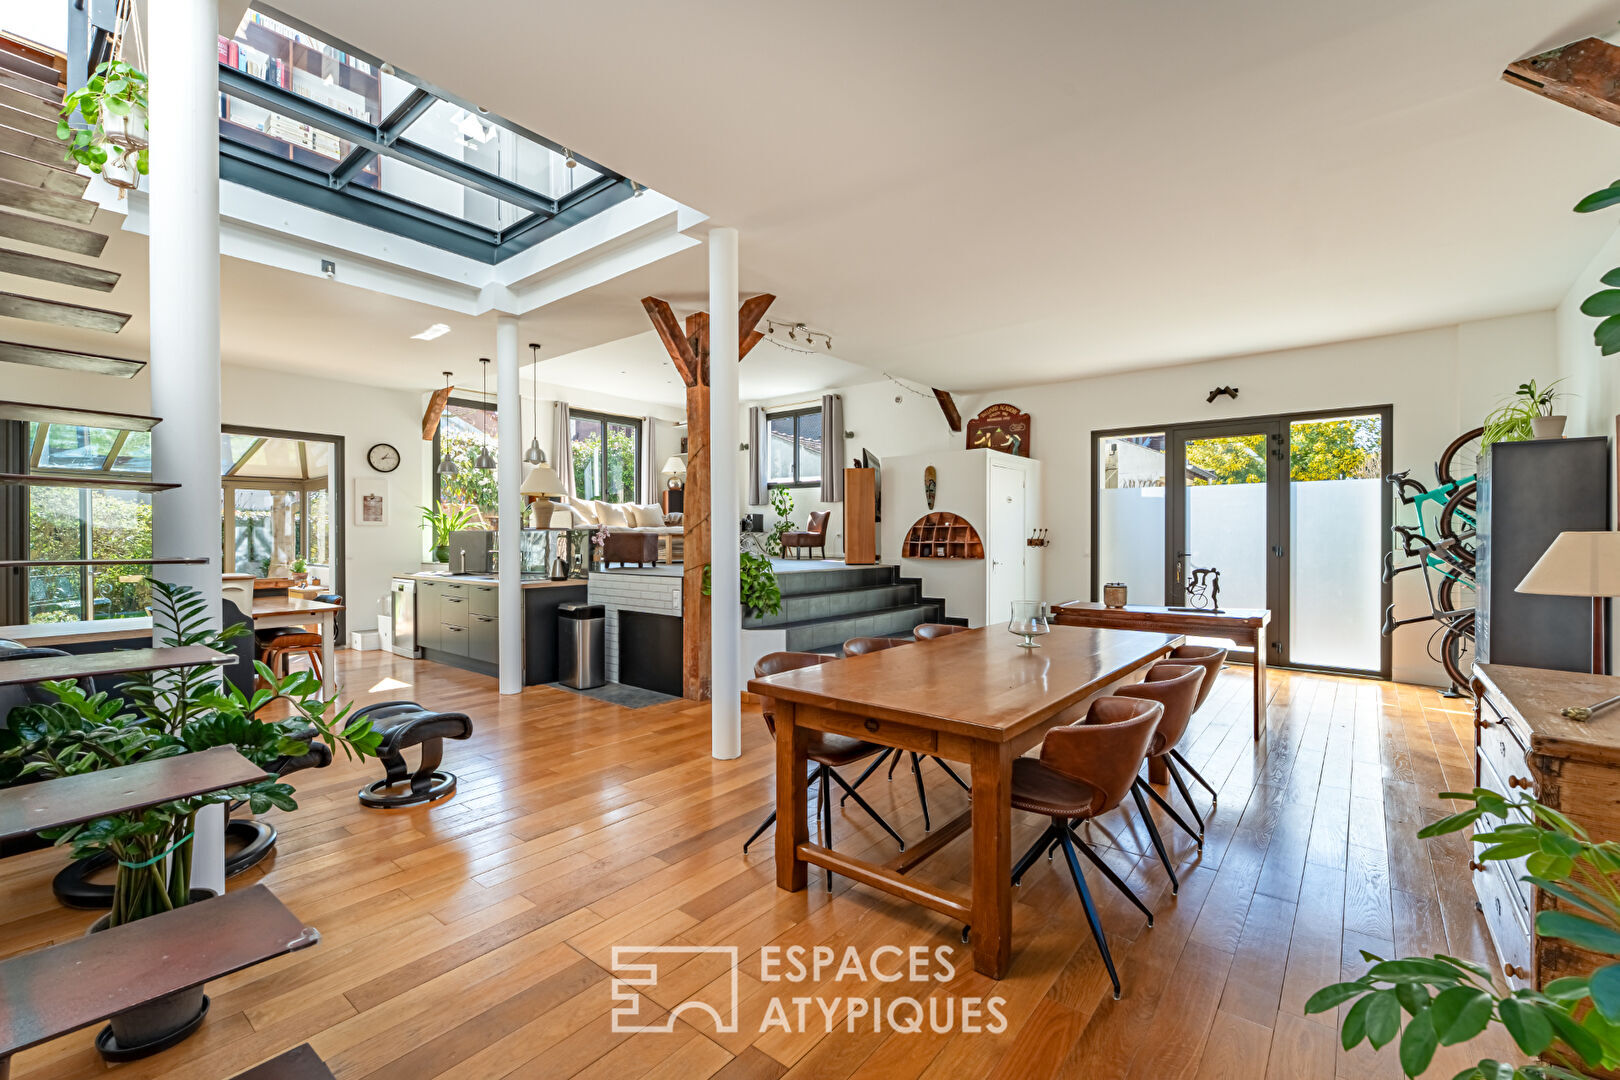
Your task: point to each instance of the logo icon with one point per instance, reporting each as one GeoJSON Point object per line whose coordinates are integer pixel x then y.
{"type": "Point", "coordinates": [645, 973]}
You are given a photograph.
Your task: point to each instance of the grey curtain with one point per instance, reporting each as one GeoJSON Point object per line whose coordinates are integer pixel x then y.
{"type": "Point", "coordinates": [759, 445]}
{"type": "Point", "coordinates": [561, 460]}
{"type": "Point", "coordinates": [832, 448]}
{"type": "Point", "coordinates": [651, 482]}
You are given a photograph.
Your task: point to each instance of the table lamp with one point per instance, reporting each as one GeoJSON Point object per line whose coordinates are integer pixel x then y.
{"type": "Point", "coordinates": [1580, 564]}
{"type": "Point", "coordinates": [543, 481]}
{"type": "Point", "coordinates": [676, 468]}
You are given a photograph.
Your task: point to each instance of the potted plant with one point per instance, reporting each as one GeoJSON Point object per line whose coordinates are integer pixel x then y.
{"type": "Point", "coordinates": [300, 570]}
{"type": "Point", "coordinates": [758, 589]}
{"type": "Point", "coordinates": [1572, 1025]}
{"type": "Point", "coordinates": [782, 503]}
{"type": "Point", "coordinates": [441, 523]}
{"type": "Point", "coordinates": [1526, 415]}
{"type": "Point", "coordinates": [113, 105]}
{"type": "Point", "coordinates": [165, 714]}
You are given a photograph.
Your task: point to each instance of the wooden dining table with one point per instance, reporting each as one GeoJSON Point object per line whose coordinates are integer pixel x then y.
{"type": "Point", "coordinates": [270, 612]}
{"type": "Point", "coordinates": [973, 697]}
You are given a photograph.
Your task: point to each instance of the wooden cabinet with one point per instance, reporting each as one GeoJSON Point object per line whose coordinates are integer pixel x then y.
{"type": "Point", "coordinates": [860, 516]}
{"type": "Point", "coordinates": [1523, 745]}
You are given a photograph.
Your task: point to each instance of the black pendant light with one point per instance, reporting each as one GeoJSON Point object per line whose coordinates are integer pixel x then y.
{"type": "Point", "coordinates": [447, 466]}
{"type": "Point", "coordinates": [485, 460]}
{"type": "Point", "coordinates": [535, 455]}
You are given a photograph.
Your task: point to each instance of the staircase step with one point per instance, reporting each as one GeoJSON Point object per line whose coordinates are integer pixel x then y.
{"type": "Point", "coordinates": [820, 633]}
{"type": "Point", "coordinates": [50, 177]}
{"type": "Point", "coordinates": [45, 151]}
{"type": "Point", "coordinates": [22, 101]}
{"type": "Point", "coordinates": [60, 271]}
{"type": "Point", "coordinates": [28, 67]}
{"type": "Point", "coordinates": [58, 313]}
{"type": "Point", "coordinates": [37, 200]}
{"type": "Point", "coordinates": [802, 607]}
{"type": "Point", "coordinates": [43, 127]}
{"type": "Point", "coordinates": [15, 352]}
{"type": "Point", "coordinates": [50, 234]}
{"type": "Point", "coordinates": [48, 91]}
{"type": "Point", "coordinates": [798, 582]}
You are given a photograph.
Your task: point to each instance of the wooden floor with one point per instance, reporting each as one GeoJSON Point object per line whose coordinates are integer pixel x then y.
{"type": "Point", "coordinates": [474, 939]}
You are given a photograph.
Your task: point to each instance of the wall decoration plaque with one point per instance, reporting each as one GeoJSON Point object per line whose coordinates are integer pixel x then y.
{"type": "Point", "coordinates": [1000, 427]}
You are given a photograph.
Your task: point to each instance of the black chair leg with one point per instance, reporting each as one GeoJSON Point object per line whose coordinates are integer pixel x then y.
{"type": "Point", "coordinates": [1214, 796]}
{"type": "Point", "coordinates": [1108, 872]}
{"type": "Point", "coordinates": [1175, 817]}
{"type": "Point", "coordinates": [893, 761]}
{"type": "Point", "coordinates": [1091, 910]}
{"type": "Point", "coordinates": [850, 793]}
{"type": "Point", "coordinates": [1186, 796]}
{"type": "Point", "coordinates": [950, 772]}
{"type": "Point", "coordinates": [861, 779]}
{"type": "Point", "coordinates": [767, 823]}
{"type": "Point", "coordinates": [922, 793]}
{"type": "Point", "coordinates": [1158, 841]}
{"type": "Point", "coordinates": [826, 817]}
{"type": "Point", "coordinates": [1021, 867]}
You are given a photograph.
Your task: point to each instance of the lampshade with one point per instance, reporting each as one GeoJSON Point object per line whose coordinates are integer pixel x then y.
{"type": "Point", "coordinates": [674, 465]}
{"type": "Point", "coordinates": [542, 480]}
{"type": "Point", "coordinates": [1577, 564]}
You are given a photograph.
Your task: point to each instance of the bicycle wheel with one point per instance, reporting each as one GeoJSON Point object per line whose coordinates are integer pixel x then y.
{"type": "Point", "coordinates": [1454, 594]}
{"type": "Point", "coordinates": [1456, 522]}
{"type": "Point", "coordinates": [1457, 654]}
{"type": "Point", "coordinates": [1458, 461]}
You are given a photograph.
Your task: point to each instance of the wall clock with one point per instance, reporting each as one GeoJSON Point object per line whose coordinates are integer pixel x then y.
{"type": "Point", "coordinates": [383, 458]}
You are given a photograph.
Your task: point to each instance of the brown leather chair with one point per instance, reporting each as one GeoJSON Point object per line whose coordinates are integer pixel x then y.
{"type": "Point", "coordinates": [1175, 686]}
{"type": "Point", "coordinates": [928, 631]}
{"type": "Point", "coordinates": [828, 751]}
{"type": "Point", "coordinates": [278, 645]}
{"type": "Point", "coordinates": [1211, 658]}
{"type": "Point", "coordinates": [814, 534]}
{"type": "Point", "coordinates": [860, 646]}
{"type": "Point", "coordinates": [624, 547]}
{"type": "Point", "coordinates": [1086, 770]}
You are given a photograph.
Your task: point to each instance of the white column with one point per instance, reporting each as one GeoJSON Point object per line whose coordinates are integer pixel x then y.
{"type": "Point", "coordinates": [182, 44]}
{"type": "Point", "coordinates": [509, 504]}
{"type": "Point", "coordinates": [726, 613]}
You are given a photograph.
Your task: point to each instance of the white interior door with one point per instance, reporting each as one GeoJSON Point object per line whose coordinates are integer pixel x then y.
{"type": "Point", "coordinates": [1005, 546]}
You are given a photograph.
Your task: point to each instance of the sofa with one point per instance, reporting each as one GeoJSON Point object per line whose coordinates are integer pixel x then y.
{"type": "Point", "coordinates": [640, 518]}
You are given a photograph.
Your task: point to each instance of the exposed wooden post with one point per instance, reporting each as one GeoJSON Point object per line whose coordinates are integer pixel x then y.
{"type": "Point", "coordinates": [1584, 75]}
{"type": "Point", "coordinates": [947, 405]}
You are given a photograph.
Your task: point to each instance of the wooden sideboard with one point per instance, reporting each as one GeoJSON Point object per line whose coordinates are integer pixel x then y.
{"type": "Point", "coordinates": [1522, 744]}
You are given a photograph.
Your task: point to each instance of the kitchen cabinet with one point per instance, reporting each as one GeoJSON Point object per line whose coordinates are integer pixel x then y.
{"type": "Point", "coordinates": [483, 638]}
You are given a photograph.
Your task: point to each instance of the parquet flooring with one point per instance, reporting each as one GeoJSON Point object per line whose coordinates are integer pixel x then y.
{"type": "Point", "coordinates": [475, 939]}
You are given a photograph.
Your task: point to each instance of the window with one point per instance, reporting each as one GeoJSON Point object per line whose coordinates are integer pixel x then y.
{"type": "Point", "coordinates": [606, 456]}
{"type": "Point", "coordinates": [279, 491]}
{"type": "Point", "coordinates": [793, 454]}
{"type": "Point", "coordinates": [465, 430]}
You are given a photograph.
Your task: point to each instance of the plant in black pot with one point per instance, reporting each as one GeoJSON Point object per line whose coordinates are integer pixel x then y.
{"type": "Point", "coordinates": [164, 714]}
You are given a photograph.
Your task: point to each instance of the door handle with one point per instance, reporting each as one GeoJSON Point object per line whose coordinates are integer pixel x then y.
{"type": "Point", "coordinates": [1276, 551]}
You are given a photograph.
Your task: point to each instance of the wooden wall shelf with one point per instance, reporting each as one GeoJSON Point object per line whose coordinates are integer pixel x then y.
{"type": "Point", "coordinates": [942, 536]}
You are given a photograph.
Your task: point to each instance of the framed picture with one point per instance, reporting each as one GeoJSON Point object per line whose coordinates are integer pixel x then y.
{"type": "Point", "coordinates": [371, 500]}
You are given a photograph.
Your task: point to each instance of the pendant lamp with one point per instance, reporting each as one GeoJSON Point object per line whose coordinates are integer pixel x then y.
{"type": "Point", "coordinates": [447, 466]}
{"type": "Point", "coordinates": [485, 460]}
{"type": "Point", "coordinates": [535, 455]}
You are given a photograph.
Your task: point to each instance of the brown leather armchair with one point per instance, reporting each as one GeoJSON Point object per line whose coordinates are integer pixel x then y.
{"type": "Point", "coordinates": [625, 547]}
{"type": "Point", "coordinates": [928, 631]}
{"type": "Point", "coordinates": [814, 534]}
{"type": "Point", "coordinates": [1086, 770]}
{"type": "Point", "coordinates": [829, 752]}
{"type": "Point", "coordinates": [1175, 686]}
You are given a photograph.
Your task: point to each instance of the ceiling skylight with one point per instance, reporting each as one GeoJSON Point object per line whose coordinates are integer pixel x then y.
{"type": "Point", "coordinates": [317, 122]}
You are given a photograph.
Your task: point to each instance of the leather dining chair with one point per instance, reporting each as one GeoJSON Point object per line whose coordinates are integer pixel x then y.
{"type": "Point", "coordinates": [1175, 686]}
{"type": "Point", "coordinates": [1084, 770]}
{"type": "Point", "coordinates": [829, 752]}
{"type": "Point", "coordinates": [813, 535]}
{"type": "Point", "coordinates": [278, 645]}
{"type": "Point", "coordinates": [1211, 658]}
{"type": "Point", "coordinates": [928, 631]}
{"type": "Point", "coordinates": [859, 646]}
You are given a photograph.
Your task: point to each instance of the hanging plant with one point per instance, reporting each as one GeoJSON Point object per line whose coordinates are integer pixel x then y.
{"type": "Point", "coordinates": [113, 105]}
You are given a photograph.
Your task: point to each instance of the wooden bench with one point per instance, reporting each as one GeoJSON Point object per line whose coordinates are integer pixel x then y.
{"type": "Point", "coordinates": [57, 990]}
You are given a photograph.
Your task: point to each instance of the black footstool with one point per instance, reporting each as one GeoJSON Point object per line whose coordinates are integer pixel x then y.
{"type": "Point", "coordinates": [403, 724]}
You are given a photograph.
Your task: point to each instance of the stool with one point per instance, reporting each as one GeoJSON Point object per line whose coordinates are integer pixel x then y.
{"type": "Point", "coordinates": [404, 724]}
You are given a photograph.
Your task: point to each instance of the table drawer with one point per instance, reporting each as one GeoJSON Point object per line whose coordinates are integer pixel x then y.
{"type": "Point", "coordinates": [1500, 748]}
{"type": "Point", "coordinates": [1509, 930]}
{"type": "Point", "coordinates": [1512, 869]}
{"type": "Point", "coordinates": [483, 600]}
{"type": "Point", "coordinates": [886, 732]}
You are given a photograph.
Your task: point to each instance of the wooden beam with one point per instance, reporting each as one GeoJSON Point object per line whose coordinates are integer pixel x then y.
{"type": "Point", "coordinates": [675, 342]}
{"type": "Point", "coordinates": [58, 313]}
{"type": "Point", "coordinates": [1585, 75]}
{"type": "Point", "coordinates": [435, 409]}
{"type": "Point", "coordinates": [60, 271]}
{"type": "Point", "coordinates": [947, 405]}
{"type": "Point", "coordinates": [753, 309]}
{"type": "Point", "coordinates": [696, 644]}
{"type": "Point", "coordinates": [697, 336]}
{"type": "Point", "coordinates": [747, 344]}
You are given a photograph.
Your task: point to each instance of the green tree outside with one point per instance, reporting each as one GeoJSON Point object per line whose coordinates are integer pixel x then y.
{"type": "Point", "coordinates": [1338, 449]}
{"type": "Point", "coordinates": [620, 471]}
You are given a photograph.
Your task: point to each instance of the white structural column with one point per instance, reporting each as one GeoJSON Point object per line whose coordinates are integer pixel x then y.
{"type": "Point", "coordinates": [725, 612]}
{"type": "Point", "coordinates": [509, 503]}
{"type": "Point", "coordinates": [182, 42]}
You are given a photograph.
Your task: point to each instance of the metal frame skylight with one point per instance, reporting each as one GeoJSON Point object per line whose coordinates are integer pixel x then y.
{"type": "Point", "coordinates": [351, 183]}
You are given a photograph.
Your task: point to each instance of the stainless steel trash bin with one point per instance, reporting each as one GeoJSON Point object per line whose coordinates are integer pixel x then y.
{"type": "Point", "coordinates": [579, 645]}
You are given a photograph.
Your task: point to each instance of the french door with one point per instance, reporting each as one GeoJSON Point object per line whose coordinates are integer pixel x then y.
{"type": "Point", "coordinates": [1289, 511]}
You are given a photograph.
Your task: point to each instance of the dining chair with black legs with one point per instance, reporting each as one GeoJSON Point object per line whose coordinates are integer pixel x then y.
{"type": "Point", "coordinates": [829, 753]}
{"type": "Point", "coordinates": [1084, 770]}
{"type": "Point", "coordinates": [1175, 686]}
{"type": "Point", "coordinates": [859, 647]}
{"type": "Point", "coordinates": [1211, 658]}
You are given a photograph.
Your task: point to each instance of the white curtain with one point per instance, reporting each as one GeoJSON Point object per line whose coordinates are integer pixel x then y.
{"type": "Point", "coordinates": [651, 482]}
{"type": "Point", "coordinates": [561, 456]}
{"type": "Point", "coordinates": [832, 448]}
{"type": "Point", "coordinates": [759, 448]}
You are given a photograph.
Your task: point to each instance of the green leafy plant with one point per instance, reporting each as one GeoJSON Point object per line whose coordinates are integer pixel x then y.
{"type": "Point", "coordinates": [1510, 421]}
{"type": "Point", "coordinates": [299, 566]}
{"type": "Point", "coordinates": [782, 503]}
{"type": "Point", "coordinates": [441, 523]}
{"type": "Point", "coordinates": [115, 89]}
{"type": "Point", "coordinates": [168, 713]}
{"type": "Point", "coordinates": [1572, 1023]}
{"type": "Point", "coordinates": [759, 591]}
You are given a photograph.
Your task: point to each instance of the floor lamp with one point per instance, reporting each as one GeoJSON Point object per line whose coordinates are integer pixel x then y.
{"type": "Point", "coordinates": [1581, 564]}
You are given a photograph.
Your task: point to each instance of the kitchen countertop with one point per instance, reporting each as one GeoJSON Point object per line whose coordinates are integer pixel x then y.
{"type": "Point", "coordinates": [530, 581]}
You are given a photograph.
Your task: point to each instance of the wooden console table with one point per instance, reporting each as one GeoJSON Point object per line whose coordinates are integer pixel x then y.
{"type": "Point", "coordinates": [1245, 626]}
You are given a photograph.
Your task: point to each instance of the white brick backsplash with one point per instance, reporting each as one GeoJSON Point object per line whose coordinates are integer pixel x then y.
{"type": "Point", "coordinates": [658, 594]}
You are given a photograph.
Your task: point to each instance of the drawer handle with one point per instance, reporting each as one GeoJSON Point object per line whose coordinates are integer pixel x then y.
{"type": "Point", "coordinates": [1479, 866]}
{"type": "Point", "coordinates": [1519, 782]}
{"type": "Point", "coordinates": [1513, 971]}
{"type": "Point", "coordinates": [871, 725]}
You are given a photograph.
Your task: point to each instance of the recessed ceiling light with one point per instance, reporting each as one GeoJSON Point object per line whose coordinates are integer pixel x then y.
{"type": "Point", "coordinates": [438, 329]}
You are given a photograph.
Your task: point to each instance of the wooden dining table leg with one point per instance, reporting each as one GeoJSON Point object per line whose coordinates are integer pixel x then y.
{"type": "Point", "coordinates": [1259, 683]}
{"type": "Point", "coordinates": [992, 858]}
{"type": "Point", "coordinates": [328, 655]}
{"type": "Point", "coordinates": [792, 824]}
